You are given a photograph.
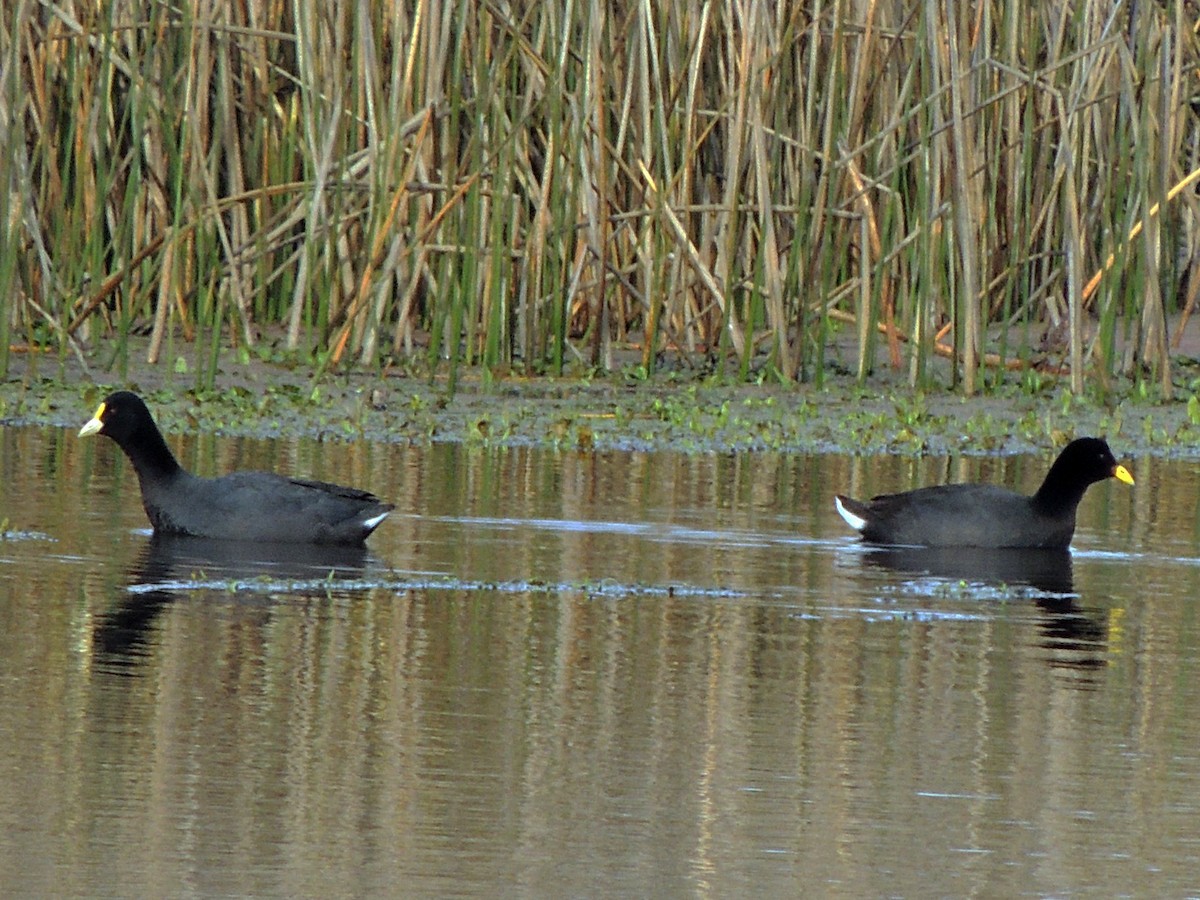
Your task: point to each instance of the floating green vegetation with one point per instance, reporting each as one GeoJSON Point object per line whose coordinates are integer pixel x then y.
{"type": "Point", "coordinates": [334, 584]}
{"type": "Point", "coordinates": [604, 414]}
{"type": "Point", "coordinates": [12, 535]}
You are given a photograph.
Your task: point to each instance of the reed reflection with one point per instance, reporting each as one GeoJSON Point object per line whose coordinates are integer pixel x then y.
{"type": "Point", "coordinates": [170, 566]}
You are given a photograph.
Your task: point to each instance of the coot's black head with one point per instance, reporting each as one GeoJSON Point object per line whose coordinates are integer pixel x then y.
{"type": "Point", "coordinates": [1085, 461]}
{"type": "Point", "coordinates": [122, 416]}
{"type": "Point", "coordinates": [1082, 462]}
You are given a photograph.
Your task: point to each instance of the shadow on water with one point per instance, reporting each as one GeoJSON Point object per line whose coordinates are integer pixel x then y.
{"type": "Point", "coordinates": [170, 566]}
{"type": "Point", "coordinates": [1074, 638]}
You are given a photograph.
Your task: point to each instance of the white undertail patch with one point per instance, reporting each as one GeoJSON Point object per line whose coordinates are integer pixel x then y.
{"type": "Point", "coordinates": [858, 523]}
{"type": "Point", "coordinates": [372, 523]}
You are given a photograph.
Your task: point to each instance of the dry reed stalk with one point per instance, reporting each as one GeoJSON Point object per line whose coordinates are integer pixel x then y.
{"type": "Point", "coordinates": [591, 170]}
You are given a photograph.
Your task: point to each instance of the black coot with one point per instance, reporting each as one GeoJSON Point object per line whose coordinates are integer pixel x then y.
{"type": "Point", "coordinates": [241, 506]}
{"type": "Point", "coordinates": [983, 515]}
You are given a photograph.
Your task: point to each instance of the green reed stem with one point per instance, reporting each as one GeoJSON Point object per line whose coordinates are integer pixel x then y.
{"type": "Point", "coordinates": [596, 183]}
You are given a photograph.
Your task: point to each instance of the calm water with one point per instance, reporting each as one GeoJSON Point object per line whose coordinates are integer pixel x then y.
{"type": "Point", "coordinates": [576, 675]}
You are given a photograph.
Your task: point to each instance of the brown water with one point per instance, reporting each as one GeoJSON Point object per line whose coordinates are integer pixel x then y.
{"type": "Point", "coordinates": [554, 674]}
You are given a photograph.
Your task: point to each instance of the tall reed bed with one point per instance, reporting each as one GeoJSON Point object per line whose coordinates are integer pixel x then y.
{"type": "Point", "coordinates": [766, 188]}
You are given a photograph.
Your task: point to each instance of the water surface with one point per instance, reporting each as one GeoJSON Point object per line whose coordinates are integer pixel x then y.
{"type": "Point", "coordinates": [556, 673]}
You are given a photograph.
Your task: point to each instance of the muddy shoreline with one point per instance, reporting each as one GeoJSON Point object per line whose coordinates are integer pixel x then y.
{"type": "Point", "coordinates": [675, 411]}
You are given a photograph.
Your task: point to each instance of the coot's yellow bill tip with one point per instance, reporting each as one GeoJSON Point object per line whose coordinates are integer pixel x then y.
{"type": "Point", "coordinates": [1122, 474]}
{"type": "Point", "coordinates": [94, 424]}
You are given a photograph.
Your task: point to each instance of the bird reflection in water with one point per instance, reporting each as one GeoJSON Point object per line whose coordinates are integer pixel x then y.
{"type": "Point", "coordinates": [1047, 571]}
{"type": "Point", "coordinates": [1075, 638]}
{"type": "Point", "coordinates": [169, 566]}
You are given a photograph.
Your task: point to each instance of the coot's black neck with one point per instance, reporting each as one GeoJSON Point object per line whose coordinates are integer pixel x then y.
{"type": "Point", "coordinates": [149, 453]}
{"type": "Point", "coordinates": [1062, 490]}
